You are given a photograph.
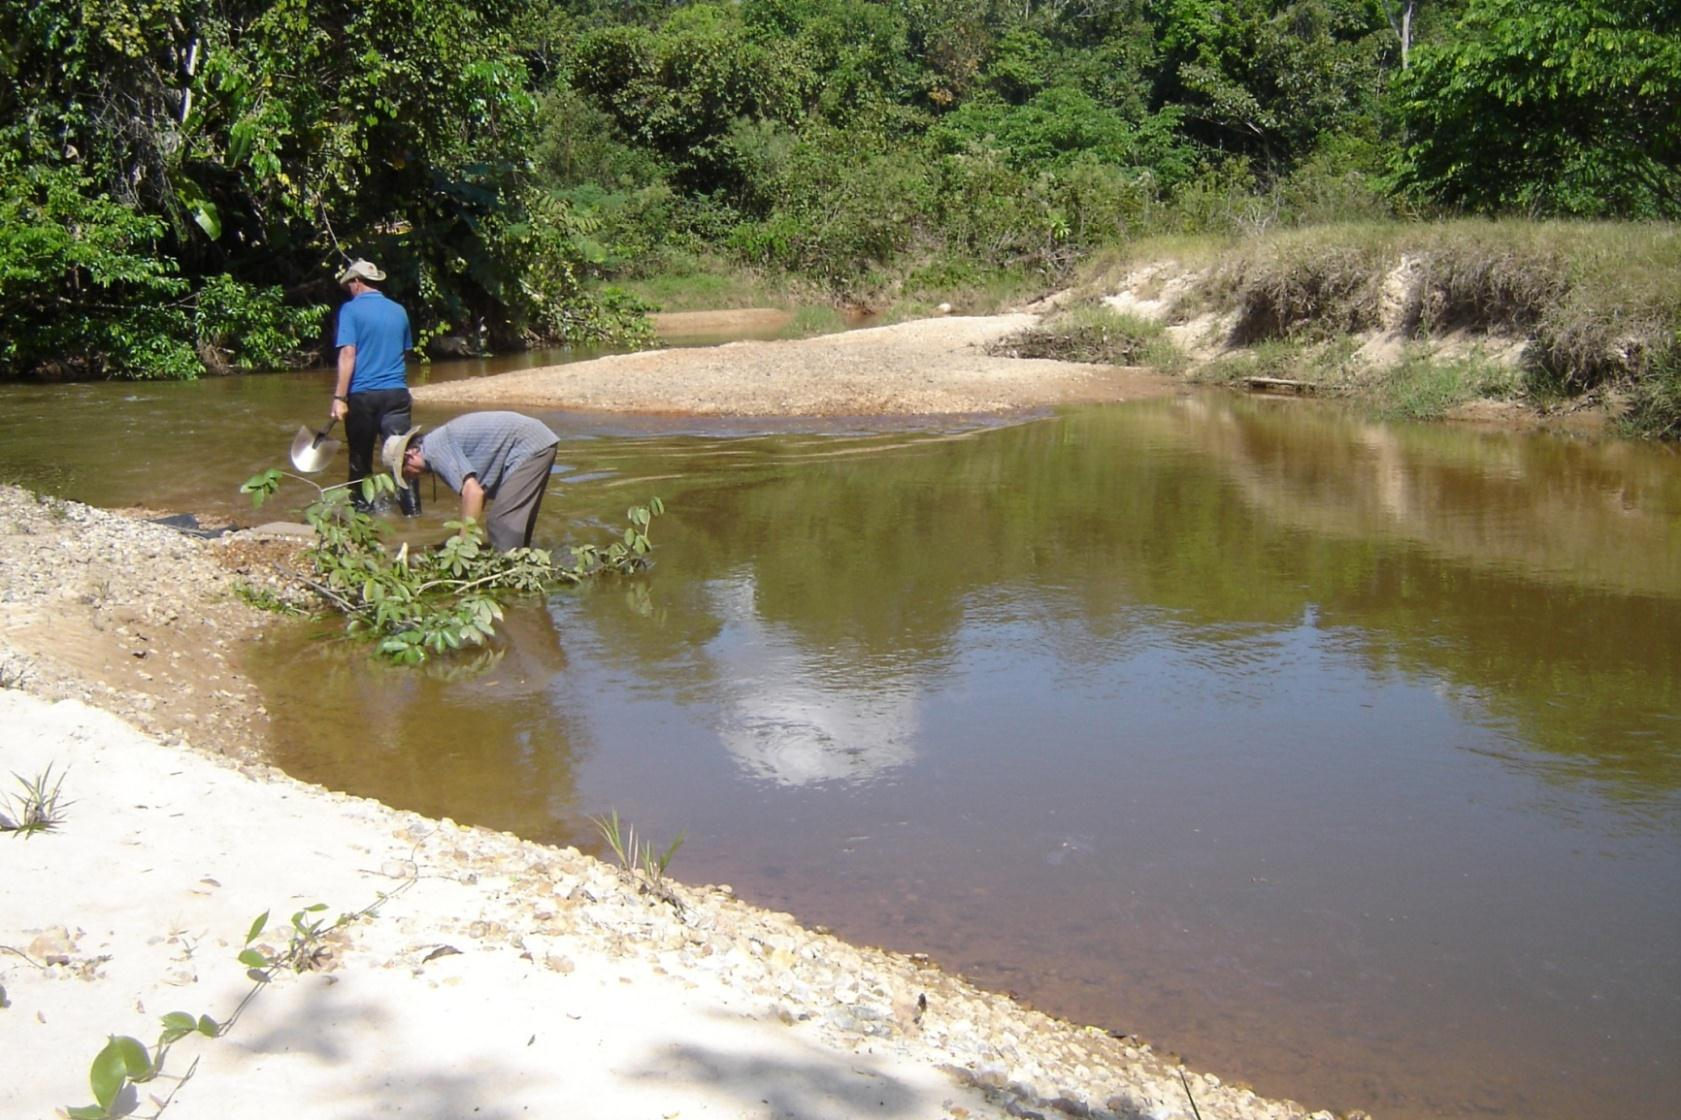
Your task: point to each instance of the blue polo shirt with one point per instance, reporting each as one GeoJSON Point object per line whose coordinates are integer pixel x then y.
{"type": "Point", "coordinates": [379, 329]}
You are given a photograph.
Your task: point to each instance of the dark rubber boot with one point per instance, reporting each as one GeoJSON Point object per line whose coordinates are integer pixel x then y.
{"type": "Point", "coordinates": [408, 500]}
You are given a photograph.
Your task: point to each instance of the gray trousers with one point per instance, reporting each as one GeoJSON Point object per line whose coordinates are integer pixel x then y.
{"type": "Point", "coordinates": [513, 511]}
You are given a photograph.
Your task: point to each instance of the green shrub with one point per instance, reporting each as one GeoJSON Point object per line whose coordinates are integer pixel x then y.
{"type": "Point", "coordinates": [1342, 181]}
{"type": "Point", "coordinates": [246, 327]}
{"type": "Point", "coordinates": [966, 286]}
{"type": "Point", "coordinates": [1061, 125]}
{"type": "Point", "coordinates": [418, 604]}
{"type": "Point", "coordinates": [1425, 387]}
{"type": "Point", "coordinates": [538, 269]}
{"type": "Point", "coordinates": [82, 291]}
{"type": "Point", "coordinates": [1547, 107]}
{"type": "Point", "coordinates": [944, 274]}
{"type": "Point", "coordinates": [842, 210]}
{"type": "Point", "coordinates": [1654, 410]}
{"type": "Point", "coordinates": [1004, 218]}
{"type": "Point", "coordinates": [576, 143]}
{"type": "Point", "coordinates": [1094, 333]}
{"type": "Point", "coordinates": [1222, 199]}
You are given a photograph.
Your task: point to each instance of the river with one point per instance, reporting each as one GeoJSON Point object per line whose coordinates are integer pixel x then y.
{"type": "Point", "coordinates": [1341, 758]}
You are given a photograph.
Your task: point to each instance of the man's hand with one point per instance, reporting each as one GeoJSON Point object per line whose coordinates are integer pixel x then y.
{"type": "Point", "coordinates": [340, 409]}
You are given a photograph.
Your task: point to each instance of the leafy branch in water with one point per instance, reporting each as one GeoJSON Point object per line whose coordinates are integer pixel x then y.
{"type": "Point", "coordinates": [418, 603]}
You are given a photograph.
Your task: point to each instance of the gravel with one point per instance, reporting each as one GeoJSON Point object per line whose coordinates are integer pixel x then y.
{"type": "Point", "coordinates": [920, 368]}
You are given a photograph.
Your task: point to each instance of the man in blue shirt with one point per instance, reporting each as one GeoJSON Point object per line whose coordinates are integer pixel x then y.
{"type": "Point", "coordinates": [372, 394]}
{"type": "Point", "coordinates": [501, 457]}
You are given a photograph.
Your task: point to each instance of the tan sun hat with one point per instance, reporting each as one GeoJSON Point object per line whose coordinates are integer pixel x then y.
{"type": "Point", "coordinates": [391, 454]}
{"type": "Point", "coordinates": [367, 270]}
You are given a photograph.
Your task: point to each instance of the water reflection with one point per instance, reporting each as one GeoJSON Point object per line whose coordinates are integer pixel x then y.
{"type": "Point", "coordinates": [445, 740]}
{"type": "Point", "coordinates": [1557, 508]}
{"type": "Point", "coordinates": [785, 717]}
{"type": "Point", "coordinates": [1540, 575]}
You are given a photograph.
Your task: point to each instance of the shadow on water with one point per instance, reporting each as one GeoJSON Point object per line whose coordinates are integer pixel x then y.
{"type": "Point", "coordinates": [1342, 758]}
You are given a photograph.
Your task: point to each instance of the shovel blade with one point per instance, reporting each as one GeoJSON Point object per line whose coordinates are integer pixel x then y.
{"type": "Point", "coordinates": [312, 451]}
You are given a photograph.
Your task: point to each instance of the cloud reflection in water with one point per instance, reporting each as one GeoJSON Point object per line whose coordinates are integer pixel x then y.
{"type": "Point", "coordinates": [785, 718]}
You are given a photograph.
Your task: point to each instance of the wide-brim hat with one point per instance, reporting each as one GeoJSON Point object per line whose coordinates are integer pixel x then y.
{"type": "Point", "coordinates": [367, 270]}
{"type": "Point", "coordinates": [391, 454]}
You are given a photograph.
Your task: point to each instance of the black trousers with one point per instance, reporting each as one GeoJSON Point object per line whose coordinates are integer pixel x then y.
{"type": "Point", "coordinates": [373, 416]}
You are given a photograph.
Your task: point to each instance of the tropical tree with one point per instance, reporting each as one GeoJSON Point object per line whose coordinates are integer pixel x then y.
{"type": "Point", "coordinates": [1269, 79]}
{"type": "Point", "coordinates": [681, 89]}
{"type": "Point", "coordinates": [82, 289]}
{"type": "Point", "coordinates": [1565, 107]}
{"type": "Point", "coordinates": [246, 149]}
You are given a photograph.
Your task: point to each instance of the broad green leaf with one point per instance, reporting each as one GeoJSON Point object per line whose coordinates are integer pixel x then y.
{"type": "Point", "coordinates": [256, 927]}
{"type": "Point", "coordinates": [137, 1060]}
{"type": "Point", "coordinates": [208, 219]}
{"type": "Point", "coordinates": [108, 1073]}
{"type": "Point", "coordinates": [176, 1026]}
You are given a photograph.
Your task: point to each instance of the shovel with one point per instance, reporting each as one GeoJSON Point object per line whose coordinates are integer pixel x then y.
{"type": "Point", "coordinates": [312, 451]}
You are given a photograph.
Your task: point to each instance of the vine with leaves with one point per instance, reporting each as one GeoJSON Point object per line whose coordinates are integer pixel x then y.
{"type": "Point", "coordinates": [415, 604]}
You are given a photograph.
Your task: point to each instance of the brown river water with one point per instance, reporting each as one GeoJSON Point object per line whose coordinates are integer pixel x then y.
{"type": "Point", "coordinates": [1341, 758]}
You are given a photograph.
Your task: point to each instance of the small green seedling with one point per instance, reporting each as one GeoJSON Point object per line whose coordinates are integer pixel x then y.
{"type": "Point", "coordinates": [638, 858]}
{"type": "Point", "coordinates": [39, 808]}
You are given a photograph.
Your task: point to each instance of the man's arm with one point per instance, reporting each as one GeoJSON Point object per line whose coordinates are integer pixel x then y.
{"type": "Point", "coordinates": [347, 366]}
{"type": "Point", "coordinates": [472, 500]}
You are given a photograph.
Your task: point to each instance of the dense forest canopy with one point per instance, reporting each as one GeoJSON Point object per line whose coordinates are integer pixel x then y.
{"type": "Point", "coordinates": [181, 179]}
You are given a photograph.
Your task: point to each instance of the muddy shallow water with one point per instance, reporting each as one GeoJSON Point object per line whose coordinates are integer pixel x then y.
{"type": "Point", "coordinates": [1341, 758]}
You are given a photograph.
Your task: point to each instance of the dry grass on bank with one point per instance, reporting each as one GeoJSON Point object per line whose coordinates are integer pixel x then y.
{"type": "Point", "coordinates": [1595, 306]}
